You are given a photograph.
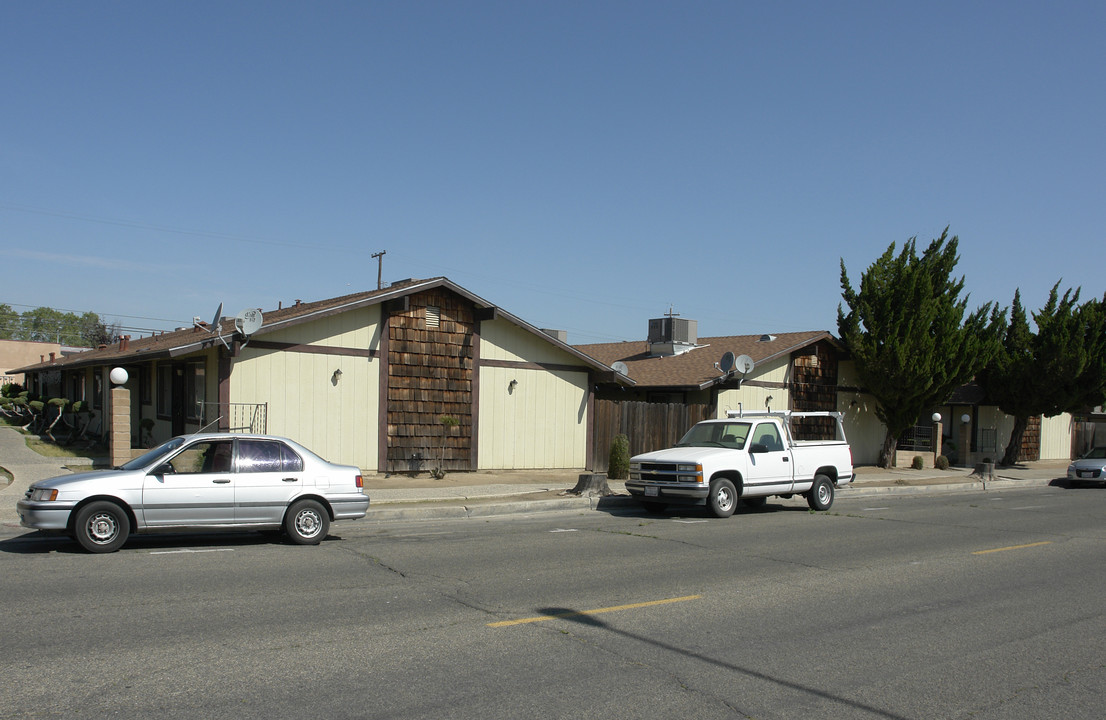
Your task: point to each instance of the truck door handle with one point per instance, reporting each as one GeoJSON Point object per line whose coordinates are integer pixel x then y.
{"type": "Point", "coordinates": [786, 459]}
{"type": "Point", "coordinates": [221, 482]}
{"type": "Point", "coordinates": [291, 479]}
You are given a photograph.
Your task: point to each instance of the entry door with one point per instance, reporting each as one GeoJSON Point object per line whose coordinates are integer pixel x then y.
{"type": "Point", "coordinates": [196, 489]}
{"type": "Point", "coordinates": [769, 464]}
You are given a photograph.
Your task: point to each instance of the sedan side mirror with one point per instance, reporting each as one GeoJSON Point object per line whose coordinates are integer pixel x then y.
{"type": "Point", "coordinates": [164, 469]}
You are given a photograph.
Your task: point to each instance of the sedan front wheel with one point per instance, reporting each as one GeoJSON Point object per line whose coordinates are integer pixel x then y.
{"type": "Point", "coordinates": [101, 527]}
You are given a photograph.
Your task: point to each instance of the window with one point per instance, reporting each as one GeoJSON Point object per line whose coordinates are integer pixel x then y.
{"type": "Point", "coordinates": [212, 456]}
{"type": "Point", "coordinates": [267, 456]}
{"type": "Point", "coordinates": [768, 435]}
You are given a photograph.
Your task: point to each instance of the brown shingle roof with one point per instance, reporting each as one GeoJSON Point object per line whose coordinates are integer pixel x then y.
{"type": "Point", "coordinates": [188, 340]}
{"type": "Point", "coordinates": [696, 367]}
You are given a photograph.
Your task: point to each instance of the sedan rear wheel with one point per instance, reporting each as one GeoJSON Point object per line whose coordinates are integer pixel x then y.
{"type": "Point", "coordinates": [307, 523]}
{"type": "Point", "coordinates": [101, 527]}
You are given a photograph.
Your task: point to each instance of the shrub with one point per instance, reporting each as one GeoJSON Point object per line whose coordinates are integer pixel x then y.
{"type": "Point", "coordinates": [918, 463]}
{"type": "Point", "coordinates": [941, 463]}
{"type": "Point", "coordinates": [618, 466]}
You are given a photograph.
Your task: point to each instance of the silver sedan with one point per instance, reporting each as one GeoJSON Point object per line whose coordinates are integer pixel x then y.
{"type": "Point", "coordinates": [1091, 466]}
{"type": "Point", "coordinates": [205, 481]}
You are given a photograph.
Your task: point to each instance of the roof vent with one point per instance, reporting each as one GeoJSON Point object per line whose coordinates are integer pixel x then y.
{"type": "Point", "coordinates": [767, 338]}
{"type": "Point", "coordinates": [671, 335]}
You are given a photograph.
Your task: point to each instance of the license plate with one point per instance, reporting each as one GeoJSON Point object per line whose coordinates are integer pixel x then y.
{"type": "Point", "coordinates": [650, 491]}
{"type": "Point", "coordinates": [1086, 473]}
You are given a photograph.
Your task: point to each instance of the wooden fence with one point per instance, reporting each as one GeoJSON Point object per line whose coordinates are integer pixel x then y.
{"type": "Point", "coordinates": [649, 426]}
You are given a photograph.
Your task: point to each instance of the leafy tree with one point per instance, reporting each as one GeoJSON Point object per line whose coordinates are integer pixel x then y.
{"type": "Point", "coordinates": [908, 335]}
{"type": "Point", "coordinates": [1060, 368]}
{"type": "Point", "coordinates": [45, 324]}
{"type": "Point", "coordinates": [94, 332]}
{"type": "Point", "coordinates": [9, 322]}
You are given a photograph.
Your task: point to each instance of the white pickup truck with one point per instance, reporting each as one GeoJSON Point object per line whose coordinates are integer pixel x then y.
{"type": "Point", "coordinates": [747, 456]}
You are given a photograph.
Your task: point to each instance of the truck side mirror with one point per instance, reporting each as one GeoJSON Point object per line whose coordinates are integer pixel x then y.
{"type": "Point", "coordinates": [758, 448]}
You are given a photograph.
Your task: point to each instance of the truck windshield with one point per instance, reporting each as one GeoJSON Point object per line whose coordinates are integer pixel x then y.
{"type": "Point", "coordinates": [716, 434]}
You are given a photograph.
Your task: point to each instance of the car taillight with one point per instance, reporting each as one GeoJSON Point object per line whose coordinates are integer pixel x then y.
{"type": "Point", "coordinates": [360, 481]}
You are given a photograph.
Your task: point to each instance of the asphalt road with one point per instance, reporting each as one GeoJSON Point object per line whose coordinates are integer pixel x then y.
{"type": "Point", "coordinates": [961, 606]}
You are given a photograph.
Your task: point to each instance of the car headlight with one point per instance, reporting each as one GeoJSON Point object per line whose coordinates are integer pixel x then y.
{"type": "Point", "coordinates": [44, 494]}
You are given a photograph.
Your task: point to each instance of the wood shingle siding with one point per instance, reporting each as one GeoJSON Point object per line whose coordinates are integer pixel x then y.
{"type": "Point", "coordinates": [430, 375]}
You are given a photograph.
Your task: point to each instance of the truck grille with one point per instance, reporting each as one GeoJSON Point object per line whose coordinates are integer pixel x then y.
{"type": "Point", "coordinates": [659, 472]}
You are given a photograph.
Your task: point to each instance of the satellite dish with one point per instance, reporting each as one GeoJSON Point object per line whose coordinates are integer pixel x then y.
{"type": "Point", "coordinates": [214, 328]}
{"type": "Point", "coordinates": [726, 363]}
{"type": "Point", "coordinates": [744, 364]}
{"type": "Point", "coordinates": [621, 368]}
{"type": "Point", "coordinates": [248, 321]}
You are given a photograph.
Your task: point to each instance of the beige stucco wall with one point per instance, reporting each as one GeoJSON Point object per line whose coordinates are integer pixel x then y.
{"type": "Point", "coordinates": [756, 398]}
{"type": "Point", "coordinates": [20, 353]}
{"type": "Point", "coordinates": [540, 421]}
{"type": "Point", "coordinates": [337, 420]}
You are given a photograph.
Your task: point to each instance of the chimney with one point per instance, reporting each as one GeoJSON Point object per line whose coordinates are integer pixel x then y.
{"type": "Point", "coordinates": [51, 357]}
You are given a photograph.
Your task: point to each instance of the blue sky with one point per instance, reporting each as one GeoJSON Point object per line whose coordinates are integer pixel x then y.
{"type": "Point", "coordinates": [584, 165]}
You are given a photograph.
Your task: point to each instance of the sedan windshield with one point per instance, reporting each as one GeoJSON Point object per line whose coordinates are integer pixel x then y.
{"type": "Point", "coordinates": [1099, 453]}
{"type": "Point", "coordinates": [153, 456]}
{"type": "Point", "coordinates": [716, 434]}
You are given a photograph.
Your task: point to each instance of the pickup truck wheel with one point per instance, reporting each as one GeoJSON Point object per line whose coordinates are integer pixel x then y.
{"type": "Point", "coordinates": [654, 507]}
{"type": "Point", "coordinates": [755, 503]}
{"type": "Point", "coordinates": [820, 496]}
{"type": "Point", "coordinates": [723, 498]}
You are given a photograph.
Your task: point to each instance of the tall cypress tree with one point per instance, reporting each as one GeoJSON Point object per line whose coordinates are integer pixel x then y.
{"type": "Point", "coordinates": [908, 335]}
{"type": "Point", "coordinates": [1060, 368]}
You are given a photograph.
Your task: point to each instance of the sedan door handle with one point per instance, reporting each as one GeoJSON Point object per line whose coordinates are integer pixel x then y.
{"type": "Point", "coordinates": [221, 482]}
{"type": "Point", "coordinates": [291, 479]}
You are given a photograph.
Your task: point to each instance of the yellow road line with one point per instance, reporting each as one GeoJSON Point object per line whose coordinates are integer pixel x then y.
{"type": "Point", "coordinates": [505, 623]}
{"type": "Point", "coordinates": [1012, 547]}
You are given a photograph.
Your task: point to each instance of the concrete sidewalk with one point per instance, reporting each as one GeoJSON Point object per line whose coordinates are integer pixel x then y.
{"type": "Point", "coordinates": [480, 494]}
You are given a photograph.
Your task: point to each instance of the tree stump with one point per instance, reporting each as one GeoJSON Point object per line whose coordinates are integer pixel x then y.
{"type": "Point", "coordinates": [591, 485]}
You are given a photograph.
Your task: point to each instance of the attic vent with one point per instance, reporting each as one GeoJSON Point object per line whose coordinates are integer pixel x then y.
{"type": "Point", "coordinates": [433, 317]}
{"type": "Point", "coordinates": [767, 338]}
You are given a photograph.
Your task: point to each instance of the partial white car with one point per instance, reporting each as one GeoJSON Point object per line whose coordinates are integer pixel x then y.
{"type": "Point", "coordinates": [1090, 467]}
{"type": "Point", "coordinates": [213, 481]}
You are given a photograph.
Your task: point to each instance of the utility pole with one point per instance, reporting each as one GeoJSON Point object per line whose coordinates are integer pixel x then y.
{"type": "Point", "coordinates": [379, 268]}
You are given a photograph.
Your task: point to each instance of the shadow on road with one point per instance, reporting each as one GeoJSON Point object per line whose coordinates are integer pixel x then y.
{"type": "Point", "coordinates": [588, 619]}
{"type": "Point", "coordinates": [38, 542]}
